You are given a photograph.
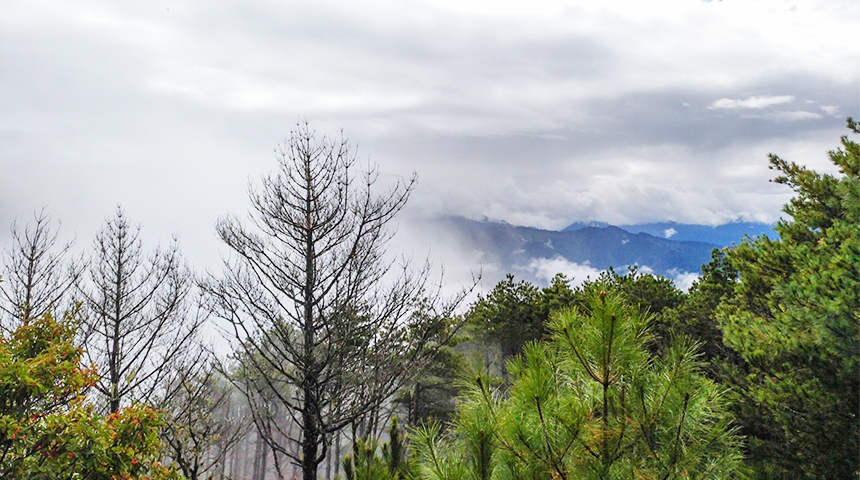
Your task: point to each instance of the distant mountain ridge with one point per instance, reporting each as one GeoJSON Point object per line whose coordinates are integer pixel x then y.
{"type": "Point", "coordinates": [723, 235]}
{"type": "Point", "coordinates": [666, 248]}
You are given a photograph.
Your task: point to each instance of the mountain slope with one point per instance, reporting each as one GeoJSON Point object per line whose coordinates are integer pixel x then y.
{"type": "Point", "coordinates": [722, 235]}
{"type": "Point", "coordinates": [511, 246]}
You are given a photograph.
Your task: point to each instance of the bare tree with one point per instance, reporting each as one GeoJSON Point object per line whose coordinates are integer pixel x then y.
{"type": "Point", "coordinates": [328, 326]}
{"type": "Point", "coordinates": [137, 317]}
{"type": "Point", "coordinates": [36, 275]}
{"type": "Point", "coordinates": [202, 423]}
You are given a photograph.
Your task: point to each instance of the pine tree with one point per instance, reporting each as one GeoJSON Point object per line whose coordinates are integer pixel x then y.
{"type": "Point", "coordinates": [592, 402]}
{"type": "Point", "coordinates": [364, 463]}
{"type": "Point", "coordinates": [794, 317]}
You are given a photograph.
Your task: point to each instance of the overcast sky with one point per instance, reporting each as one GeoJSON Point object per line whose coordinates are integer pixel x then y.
{"type": "Point", "coordinates": [540, 113]}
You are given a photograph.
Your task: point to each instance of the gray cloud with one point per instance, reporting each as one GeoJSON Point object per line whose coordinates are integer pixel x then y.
{"type": "Point", "coordinates": [541, 114]}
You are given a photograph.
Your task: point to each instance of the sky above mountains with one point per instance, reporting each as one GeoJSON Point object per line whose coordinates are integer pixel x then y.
{"type": "Point", "coordinates": [541, 113]}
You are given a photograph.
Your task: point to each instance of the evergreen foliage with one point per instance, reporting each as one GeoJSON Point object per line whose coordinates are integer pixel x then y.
{"type": "Point", "coordinates": [696, 318]}
{"type": "Point", "coordinates": [432, 395]}
{"type": "Point", "coordinates": [653, 295]}
{"type": "Point", "coordinates": [510, 315]}
{"type": "Point", "coordinates": [591, 402]}
{"type": "Point", "coordinates": [364, 463]}
{"type": "Point", "coordinates": [794, 317]}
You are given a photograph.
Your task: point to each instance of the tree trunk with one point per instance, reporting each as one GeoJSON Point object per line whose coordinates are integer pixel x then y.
{"type": "Point", "coordinates": [242, 457]}
{"type": "Point", "coordinates": [337, 455]}
{"type": "Point", "coordinates": [328, 462]}
{"type": "Point", "coordinates": [114, 359]}
{"type": "Point", "coordinates": [309, 444]}
{"type": "Point", "coordinates": [264, 461]}
{"type": "Point", "coordinates": [233, 456]}
{"type": "Point", "coordinates": [258, 457]}
{"type": "Point", "coordinates": [222, 462]}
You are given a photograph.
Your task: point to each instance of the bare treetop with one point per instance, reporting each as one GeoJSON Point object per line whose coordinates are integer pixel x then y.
{"type": "Point", "coordinates": [322, 320]}
{"type": "Point", "coordinates": [137, 318]}
{"type": "Point", "coordinates": [36, 274]}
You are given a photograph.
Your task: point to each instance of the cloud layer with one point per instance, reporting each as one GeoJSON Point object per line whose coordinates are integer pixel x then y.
{"type": "Point", "coordinates": [541, 113]}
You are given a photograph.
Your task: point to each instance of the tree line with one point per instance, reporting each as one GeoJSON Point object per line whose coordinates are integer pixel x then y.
{"type": "Point", "coordinates": [105, 373]}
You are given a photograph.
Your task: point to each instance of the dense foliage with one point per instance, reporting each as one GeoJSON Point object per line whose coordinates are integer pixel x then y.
{"type": "Point", "coordinates": [510, 315]}
{"type": "Point", "coordinates": [515, 313]}
{"type": "Point", "coordinates": [49, 430]}
{"type": "Point", "coordinates": [364, 463]}
{"type": "Point", "coordinates": [591, 402]}
{"type": "Point", "coordinates": [794, 317]}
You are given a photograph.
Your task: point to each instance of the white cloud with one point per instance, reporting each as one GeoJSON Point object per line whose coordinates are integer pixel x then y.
{"type": "Point", "coordinates": [683, 280]}
{"type": "Point", "coordinates": [831, 110]}
{"type": "Point", "coordinates": [669, 232]}
{"type": "Point", "coordinates": [794, 116]}
{"type": "Point", "coordinates": [544, 269]}
{"type": "Point", "coordinates": [756, 102]}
